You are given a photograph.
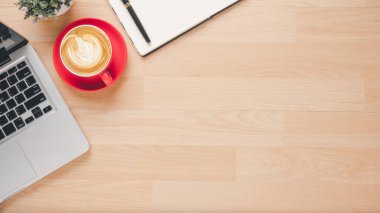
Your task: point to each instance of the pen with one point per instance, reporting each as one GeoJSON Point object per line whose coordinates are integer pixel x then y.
{"type": "Point", "coordinates": [136, 19]}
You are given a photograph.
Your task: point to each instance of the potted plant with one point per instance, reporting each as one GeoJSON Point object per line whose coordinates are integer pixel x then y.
{"type": "Point", "coordinates": [43, 9]}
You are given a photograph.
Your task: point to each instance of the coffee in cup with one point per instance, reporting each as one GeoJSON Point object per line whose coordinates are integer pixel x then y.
{"type": "Point", "coordinates": [86, 51]}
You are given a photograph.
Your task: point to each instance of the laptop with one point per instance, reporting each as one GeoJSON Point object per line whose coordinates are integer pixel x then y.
{"type": "Point", "coordinates": [165, 20]}
{"type": "Point", "coordinates": [38, 134]}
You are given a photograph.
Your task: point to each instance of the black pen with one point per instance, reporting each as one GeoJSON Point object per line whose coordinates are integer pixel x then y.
{"type": "Point", "coordinates": [136, 19]}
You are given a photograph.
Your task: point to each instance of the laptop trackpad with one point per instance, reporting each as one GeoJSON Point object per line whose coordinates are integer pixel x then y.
{"type": "Point", "coordinates": [15, 168]}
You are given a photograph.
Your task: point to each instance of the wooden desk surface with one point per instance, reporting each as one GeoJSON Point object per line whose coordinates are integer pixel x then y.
{"type": "Point", "coordinates": [273, 106]}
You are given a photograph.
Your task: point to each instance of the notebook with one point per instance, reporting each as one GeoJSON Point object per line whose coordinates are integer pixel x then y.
{"type": "Point", "coordinates": [165, 20]}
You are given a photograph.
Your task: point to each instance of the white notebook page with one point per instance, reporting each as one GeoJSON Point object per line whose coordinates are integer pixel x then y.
{"type": "Point", "coordinates": [164, 20]}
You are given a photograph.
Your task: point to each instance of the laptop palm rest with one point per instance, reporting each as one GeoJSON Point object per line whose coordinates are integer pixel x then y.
{"type": "Point", "coordinates": [15, 168]}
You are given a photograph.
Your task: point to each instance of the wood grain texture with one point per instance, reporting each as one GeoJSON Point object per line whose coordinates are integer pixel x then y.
{"type": "Point", "coordinates": [272, 106]}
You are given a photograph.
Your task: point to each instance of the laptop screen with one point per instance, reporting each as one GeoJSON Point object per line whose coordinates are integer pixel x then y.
{"type": "Point", "coordinates": [10, 40]}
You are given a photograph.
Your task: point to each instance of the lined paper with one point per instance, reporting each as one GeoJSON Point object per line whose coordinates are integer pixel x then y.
{"type": "Point", "coordinates": [165, 19]}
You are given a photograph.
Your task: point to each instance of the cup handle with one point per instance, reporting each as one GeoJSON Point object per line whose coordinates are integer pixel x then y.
{"type": "Point", "coordinates": [106, 78]}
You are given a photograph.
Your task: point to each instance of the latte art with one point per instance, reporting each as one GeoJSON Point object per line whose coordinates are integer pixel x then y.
{"type": "Point", "coordinates": [85, 50]}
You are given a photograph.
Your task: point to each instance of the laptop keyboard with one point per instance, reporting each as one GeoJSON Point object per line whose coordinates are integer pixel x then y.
{"type": "Point", "coordinates": [22, 100]}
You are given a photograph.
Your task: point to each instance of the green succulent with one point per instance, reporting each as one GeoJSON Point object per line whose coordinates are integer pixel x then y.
{"type": "Point", "coordinates": [38, 9]}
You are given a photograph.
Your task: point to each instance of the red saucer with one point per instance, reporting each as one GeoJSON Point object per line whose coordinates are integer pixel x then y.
{"type": "Point", "coordinates": [118, 60]}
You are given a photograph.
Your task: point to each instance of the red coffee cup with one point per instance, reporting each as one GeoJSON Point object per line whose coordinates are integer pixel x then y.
{"type": "Point", "coordinates": [115, 68]}
{"type": "Point", "coordinates": [83, 52]}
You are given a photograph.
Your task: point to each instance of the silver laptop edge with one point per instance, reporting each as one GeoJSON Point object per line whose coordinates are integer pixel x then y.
{"type": "Point", "coordinates": [44, 145]}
